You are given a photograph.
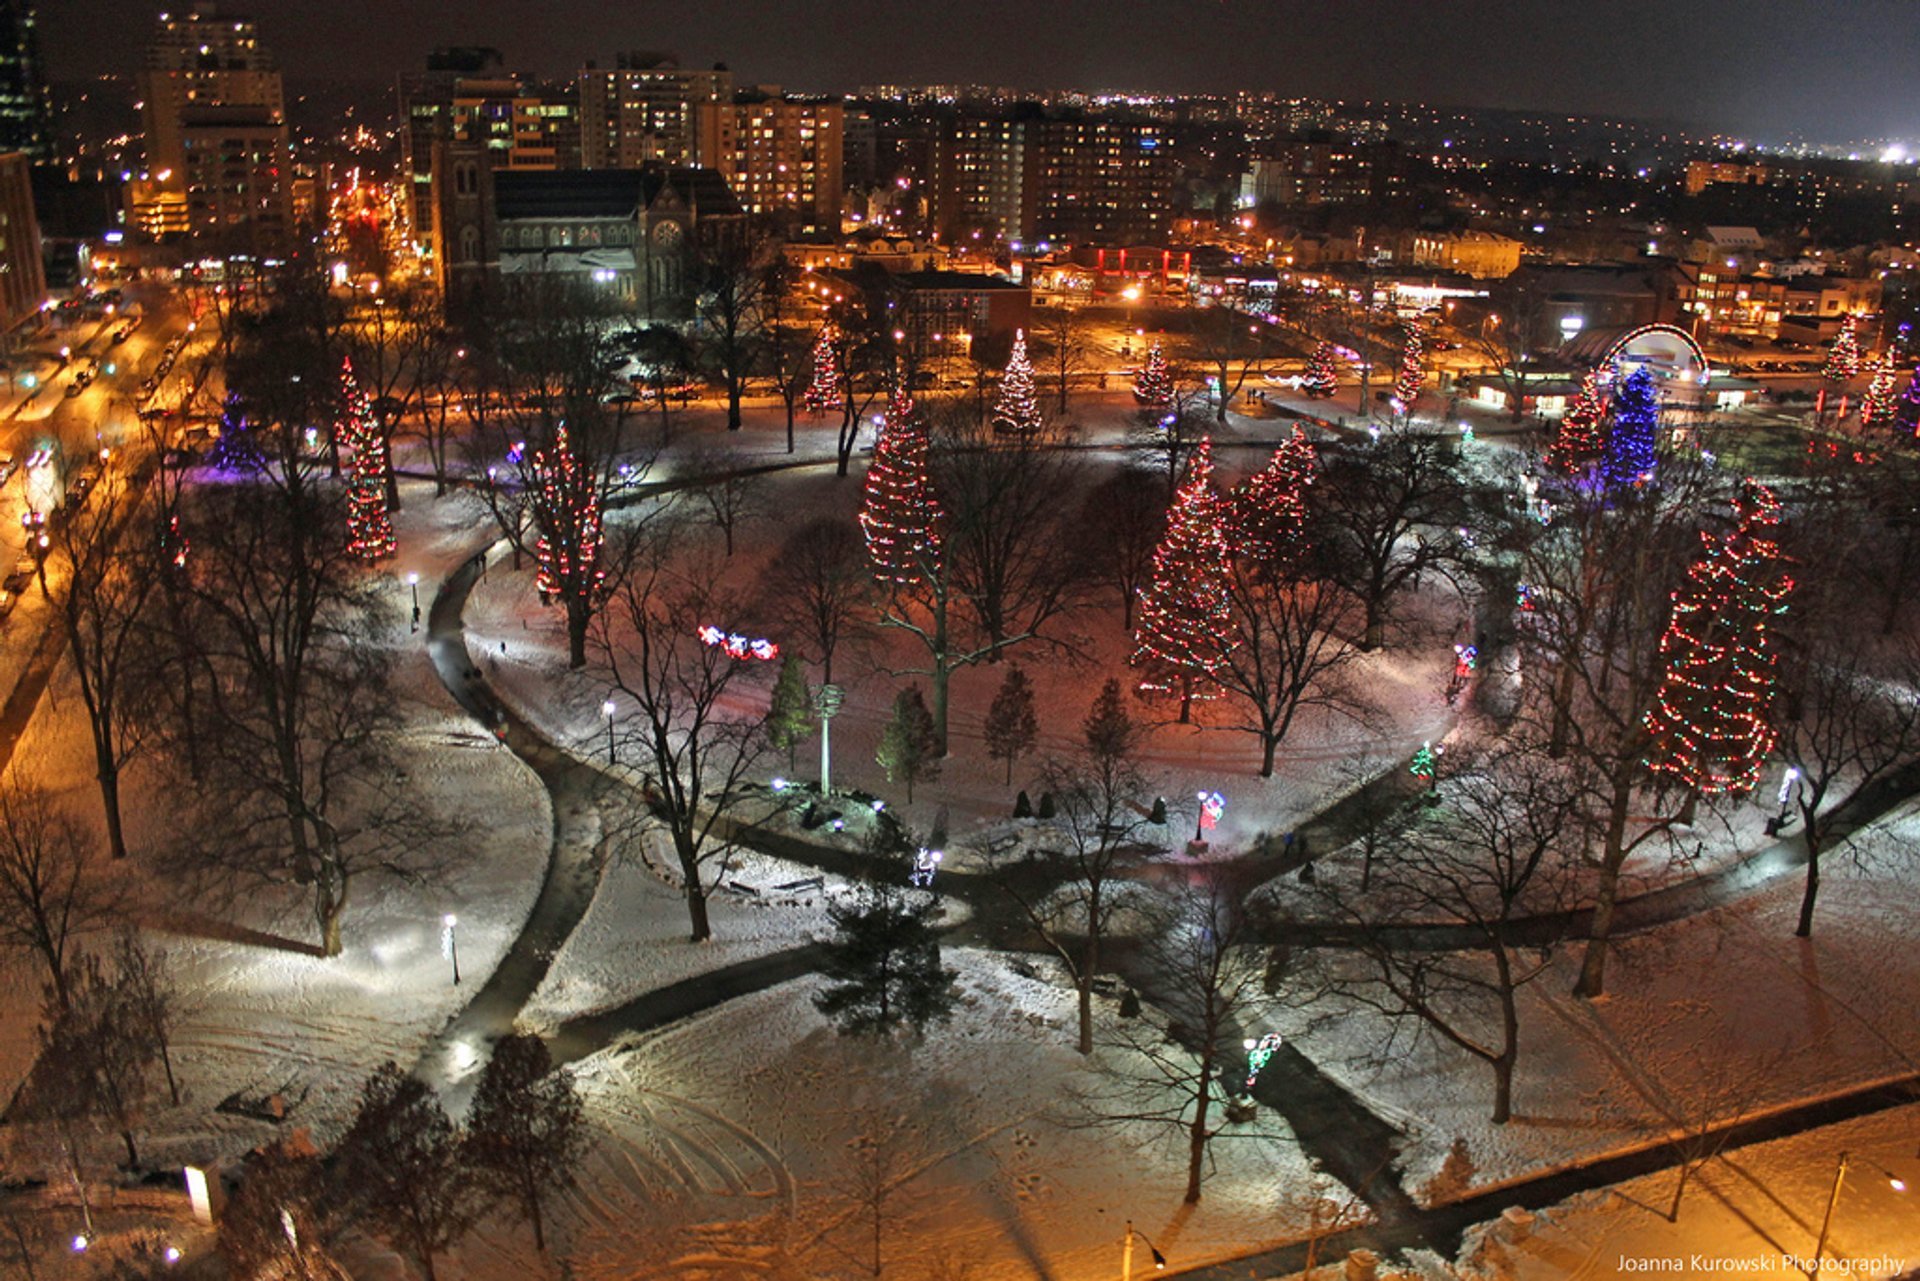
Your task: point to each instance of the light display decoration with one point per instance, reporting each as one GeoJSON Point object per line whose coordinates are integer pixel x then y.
{"type": "Point", "coordinates": [1711, 722]}
{"type": "Point", "coordinates": [1181, 641]}
{"type": "Point", "coordinates": [1906, 411]}
{"type": "Point", "coordinates": [1322, 379]}
{"type": "Point", "coordinates": [1413, 370]}
{"type": "Point", "coordinates": [1153, 385]}
{"type": "Point", "coordinates": [1843, 358]}
{"type": "Point", "coordinates": [369, 527]}
{"type": "Point", "coordinates": [823, 390]}
{"type": "Point", "coordinates": [235, 449]}
{"type": "Point", "coordinates": [566, 510]}
{"type": "Point", "coordinates": [1016, 409]}
{"type": "Point", "coordinates": [1577, 445]}
{"type": "Point", "coordinates": [899, 515]}
{"type": "Point", "coordinates": [1877, 407]}
{"type": "Point", "coordinates": [734, 645]}
{"type": "Point", "coordinates": [1268, 514]}
{"type": "Point", "coordinates": [1259, 1053]}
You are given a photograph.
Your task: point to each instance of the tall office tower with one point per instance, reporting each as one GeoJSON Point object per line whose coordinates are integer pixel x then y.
{"type": "Point", "coordinates": [644, 109]}
{"type": "Point", "coordinates": [26, 113]}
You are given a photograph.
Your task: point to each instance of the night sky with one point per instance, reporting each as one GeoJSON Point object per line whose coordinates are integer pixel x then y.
{"type": "Point", "coordinates": [1829, 69]}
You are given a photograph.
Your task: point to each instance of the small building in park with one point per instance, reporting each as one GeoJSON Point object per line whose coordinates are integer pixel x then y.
{"type": "Point", "coordinates": [1547, 386]}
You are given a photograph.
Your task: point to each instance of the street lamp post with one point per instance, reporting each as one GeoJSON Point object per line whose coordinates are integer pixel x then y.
{"type": "Point", "coordinates": [450, 943]}
{"type": "Point", "coordinates": [607, 709]}
{"type": "Point", "coordinates": [413, 581]}
{"type": "Point", "coordinates": [1126, 1254]}
{"type": "Point", "coordinates": [1894, 1181]}
{"type": "Point", "coordinates": [826, 702]}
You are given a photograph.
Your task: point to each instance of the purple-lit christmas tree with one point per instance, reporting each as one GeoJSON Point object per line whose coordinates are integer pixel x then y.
{"type": "Point", "coordinates": [369, 528]}
{"type": "Point", "coordinates": [235, 449]}
{"type": "Point", "coordinates": [899, 515]}
{"type": "Point", "coordinates": [1906, 410]}
{"type": "Point", "coordinates": [1629, 457]}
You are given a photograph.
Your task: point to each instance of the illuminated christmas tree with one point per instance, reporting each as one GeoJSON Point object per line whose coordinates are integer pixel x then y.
{"type": "Point", "coordinates": [1906, 411]}
{"type": "Point", "coordinates": [565, 499]}
{"type": "Point", "coordinates": [1153, 385]}
{"type": "Point", "coordinates": [1268, 514]}
{"type": "Point", "coordinates": [899, 516]}
{"type": "Point", "coordinates": [1577, 443]}
{"type": "Point", "coordinates": [369, 529]}
{"type": "Point", "coordinates": [1321, 381]}
{"type": "Point", "coordinates": [823, 393]}
{"type": "Point", "coordinates": [1016, 411]}
{"type": "Point", "coordinates": [1629, 456]}
{"type": "Point", "coordinates": [1181, 641]}
{"type": "Point", "coordinates": [1843, 358]}
{"type": "Point", "coordinates": [1877, 406]}
{"type": "Point", "coordinates": [235, 449]}
{"type": "Point", "coordinates": [1711, 721]}
{"type": "Point", "coordinates": [1413, 372]}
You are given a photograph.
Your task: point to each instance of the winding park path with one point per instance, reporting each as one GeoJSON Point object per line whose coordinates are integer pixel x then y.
{"type": "Point", "coordinates": [1337, 1131]}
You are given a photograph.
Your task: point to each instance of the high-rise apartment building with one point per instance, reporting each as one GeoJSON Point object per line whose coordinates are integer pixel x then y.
{"type": "Point", "coordinates": [213, 111]}
{"type": "Point", "coordinates": [643, 110]}
{"type": "Point", "coordinates": [26, 114]}
{"type": "Point", "coordinates": [23, 280]}
{"type": "Point", "coordinates": [781, 156]}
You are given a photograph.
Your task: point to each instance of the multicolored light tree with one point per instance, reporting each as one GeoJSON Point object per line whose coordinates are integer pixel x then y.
{"type": "Point", "coordinates": [1016, 410]}
{"type": "Point", "coordinates": [1877, 406]}
{"type": "Point", "coordinates": [1711, 722]}
{"type": "Point", "coordinates": [369, 528]}
{"type": "Point", "coordinates": [1181, 641]}
{"type": "Point", "coordinates": [1577, 444]}
{"type": "Point", "coordinates": [1630, 449]}
{"type": "Point", "coordinates": [1843, 358]}
{"type": "Point", "coordinates": [1322, 372]}
{"type": "Point", "coordinates": [1267, 516]}
{"type": "Point", "coordinates": [1413, 369]}
{"type": "Point", "coordinates": [823, 392]}
{"type": "Point", "coordinates": [899, 515]}
{"type": "Point", "coordinates": [565, 500]}
{"type": "Point", "coordinates": [1153, 385]}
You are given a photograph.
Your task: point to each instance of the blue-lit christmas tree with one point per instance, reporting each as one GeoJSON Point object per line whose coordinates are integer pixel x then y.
{"type": "Point", "coordinates": [1629, 456]}
{"type": "Point", "coordinates": [235, 449]}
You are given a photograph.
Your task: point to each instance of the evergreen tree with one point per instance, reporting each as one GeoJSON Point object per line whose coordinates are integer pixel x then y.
{"type": "Point", "coordinates": [823, 391]}
{"type": "Point", "coordinates": [790, 710]}
{"type": "Point", "coordinates": [1906, 411]}
{"type": "Point", "coordinates": [526, 1134]}
{"type": "Point", "coordinates": [910, 745]}
{"type": "Point", "coordinates": [1630, 458]}
{"type": "Point", "coordinates": [401, 1163]}
{"type": "Point", "coordinates": [883, 967]}
{"type": "Point", "coordinates": [1877, 407]}
{"type": "Point", "coordinates": [1153, 385]}
{"type": "Point", "coordinates": [1016, 410]}
{"type": "Point", "coordinates": [1268, 513]}
{"type": "Point", "coordinates": [1413, 369]}
{"type": "Point", "coordinates": [899, 515]}
{"type": "Point", "coordinates": [97, 1040]}
{"type": "Point", "coordinates": [1185, 616]}
{"type": "Point", "coordinates": [1012, 725]}
{"type": "Point", "coordinates": [1322, 379]}
{"type": "Point", "coordinates": [1843, 357]}
{"type": "Point", "coordinates": [235, 449]}
{"type": "Point", "coordinates": [1577, 444]}
{"type": "Point", "coordinates": [1711, 723]}
{"type": "Point", "coordinates": [1109, 732]}
{"type": "Point", "coordinates": [369, 528]}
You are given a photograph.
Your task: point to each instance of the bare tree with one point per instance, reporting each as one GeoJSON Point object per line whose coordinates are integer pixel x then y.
{"type": "Point", "coordinates": [144, 980]}
{"type": "Point", "coordinates": [390, 340]}
{"type": "Point", "coordinates": [725, 490]}
{"type": "Point", "coordinates": [446, 379]}
{"type": "Point", "coordinates": [1065, 345]}
{"type": "Point", "coordinates": [817, 588]}
{"type": "Point", "coordinates": [1121, 522]}
{"type": "Point", "coordinates": [1196, 968]}
{"type": "Point", "coordinates": [1388, 512]}
{"type": "Point", "coordinates": [1293, 640]}
{"type": "Point", "coordinates": [1505, 843]}
{"type": "Point", "coordinates": [697, 747]}
{"type": "Point", "coordinates": [785, 344]}
{"type": "Point", "coordinates": [1230, 345]}
{"type": "Point", "coordinates": [731, 279]}
{"type": "Point", "coordinates": [1164, 435]}
{"type": "Point", "coordinates": [52, 891]}
{"type": "Point", "coordinates": [95, 1037]}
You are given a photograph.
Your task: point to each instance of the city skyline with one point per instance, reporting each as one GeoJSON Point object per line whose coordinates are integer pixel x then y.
{"type": "Point", "coordinates": [1733, 77]}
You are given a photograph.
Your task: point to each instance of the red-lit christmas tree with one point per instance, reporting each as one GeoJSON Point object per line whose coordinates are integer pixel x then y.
{"type": "Point", "coordinates": [1321, 380]}
{"type": "Point", "coordinates": [1578, 443]}
{"type": "Point", "coordinates": [1877, 406]}
{"type": "Point", "coordinates": [1153, 385]}
{"type": "Point", "coordinates": [565, 499]}
{"type": "Point", "coordinates": [823, 393]}
{"type": "Point", "coordinates": [1413, 370]}
{"type": "Point", "coordinates": [369, 529]}
{"type": "Point", "coordinates": [899, 515]}
{"type": "Point", "coordinates": [1268, 514]}
{"type": "Point", "coordinates": [1181, 641]}
{"type": "Point", "coordinates": [1016, 410]}
{"type": "Point", "coordinates": [1843, 358]}
{"type": "Point", "coordinates": [1711, 722]}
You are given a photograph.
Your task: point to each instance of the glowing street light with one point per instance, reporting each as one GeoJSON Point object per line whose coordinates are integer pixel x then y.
{"type": "Point", "coordinates": [607, 709]}
{"type": "Point", "coordinates": [413, 581]}
{"type": "Point", "coordinates": [450, 943]}
{"type": "Point", "coordinates": [1126, 1254]}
